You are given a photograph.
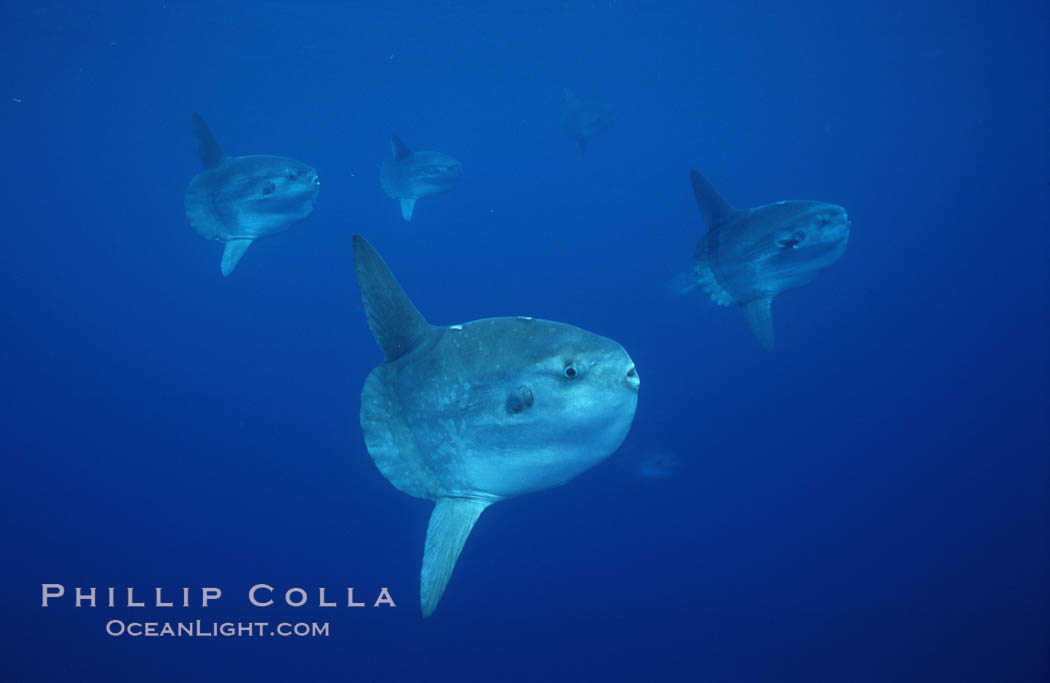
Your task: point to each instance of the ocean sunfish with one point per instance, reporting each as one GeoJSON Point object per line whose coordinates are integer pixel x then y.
{"type": "Point", "coordinates": [657, 465]}
{"type": "Point", "coordinates": [237, 200]}
{"type": "Point", "coordinates": [583, 120]}
{"type": "Point", "coordinates": [409, 175]}
{"type": "Point", "coordinates": [468, 415]}
{"type": "Point", "coordinates": [749, 256]}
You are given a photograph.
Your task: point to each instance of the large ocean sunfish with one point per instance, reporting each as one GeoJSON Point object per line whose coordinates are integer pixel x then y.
{"type": "Point", "coordinates": [749, 256]}
{"type": "Point", "coordinates": [409, 175]}
{"type": "Point", "coordinates": [472, 414]}
{"type": "Point", "coordinates": [237, 200]}
{"type": "Point", "coordinates": [583, 120]}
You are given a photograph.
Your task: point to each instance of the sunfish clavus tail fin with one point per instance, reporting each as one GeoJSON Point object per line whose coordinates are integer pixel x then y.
{"type": "Point", "coordinates": [207, 148]}
{"type": "Point", "coordinates": [713, 206]}
{"type": "Point", "coordinates": [681, 283]}
{"type": "Point", "coordinates": [760, 318]}
{"type": "Point", "coordinates": [394, 320]}
{"type": "Point", "coordinates": [450, 524]}
{"type": "Point", "coordinates": [232, 254]}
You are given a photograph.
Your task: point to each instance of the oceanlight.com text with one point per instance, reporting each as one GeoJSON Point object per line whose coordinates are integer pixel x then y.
{"type": "Point", "coordinates": [215, 629]}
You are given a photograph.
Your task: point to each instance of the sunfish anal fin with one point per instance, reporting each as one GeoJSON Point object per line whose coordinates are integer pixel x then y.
{"type": "Point", "coordinates": [232, 254]}
{"type": "Point", "coordinates": [406, 208]}
{"type": "Point", "coordinates": [760, 318]}
{"type": "Point", "coordinates": [450, 524]}
{"type": "Point", "coordinates": [394, 320]}
{"type": "Point", "coordinates": [208, 149]}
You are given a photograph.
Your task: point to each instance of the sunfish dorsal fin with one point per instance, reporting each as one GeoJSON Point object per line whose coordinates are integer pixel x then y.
{"type": "Point", "coordinates": [232, 254]}
{"type": "Point", "coordinates": [407, 205]}
{"type": "Point", "coordinates": [399, 148]}
{"type": "Point", "coordinates": [395, 322]}
{"type": "Point", "coordinates": [450, 524]}
{"type": "Point", "coordinates": [207, 148]}
{"type": "Point", "coordinates": [713, 206]}
{"type": "Point", "coordinates": [760, 318]}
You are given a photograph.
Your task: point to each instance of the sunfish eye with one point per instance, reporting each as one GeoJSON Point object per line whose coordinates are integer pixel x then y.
{"type": "Point", "coordinates": [269, 188]}
{"type": "Point", "coordinates": [291, 174]}
{"type": "Point", "coordinates": [570, 371]}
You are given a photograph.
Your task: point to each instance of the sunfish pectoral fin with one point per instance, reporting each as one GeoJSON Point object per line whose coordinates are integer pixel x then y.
{"type": "Point", "coordinates": [232, 254]}
{"type": "Point", "coordinates": [406, 208]}
{"type": "Point", "coordinates": [450, 524]}
{"type": "Point", "coordinates": [760, 318]}
{"type": "Point", "coordinates": [207, 148]}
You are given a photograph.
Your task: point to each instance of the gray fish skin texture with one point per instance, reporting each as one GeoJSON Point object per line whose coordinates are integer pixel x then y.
{"type": "Point", "coordinates": [237, 200]}
{"type": "Point", "coordinates": [750, 256]}
{"type": "Point", "coordinates": [468, 415]}
{"type": "Point", "coordinates": [409, 175]}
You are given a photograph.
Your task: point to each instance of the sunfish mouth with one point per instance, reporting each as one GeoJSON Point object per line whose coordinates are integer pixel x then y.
{"type": "Point", "coordinates": [840, 220]}
{"type": "Point", "coordinates": [631, 380]}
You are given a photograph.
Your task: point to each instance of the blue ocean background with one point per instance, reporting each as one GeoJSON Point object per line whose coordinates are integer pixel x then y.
{"type": "Point", "coordinates": [868, 502]}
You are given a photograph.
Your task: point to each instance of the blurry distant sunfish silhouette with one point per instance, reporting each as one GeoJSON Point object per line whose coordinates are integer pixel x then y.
{"type": "Point", "coordinates": [472, 414]}
{"type": "Point", "coordinates": [409, 175]}
{"type": "Point", "coordinates": [657, 465]}
{"type": "Point", "coordinates": [748, 256]}
{"type": "Point", "coordinates": [582, 120]}
{"type": "Point", "coordinates": [237, 200]}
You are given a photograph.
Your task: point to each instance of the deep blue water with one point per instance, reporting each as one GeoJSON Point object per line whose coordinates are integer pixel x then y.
{"type": "Point", "coordinates": [868, 502]}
